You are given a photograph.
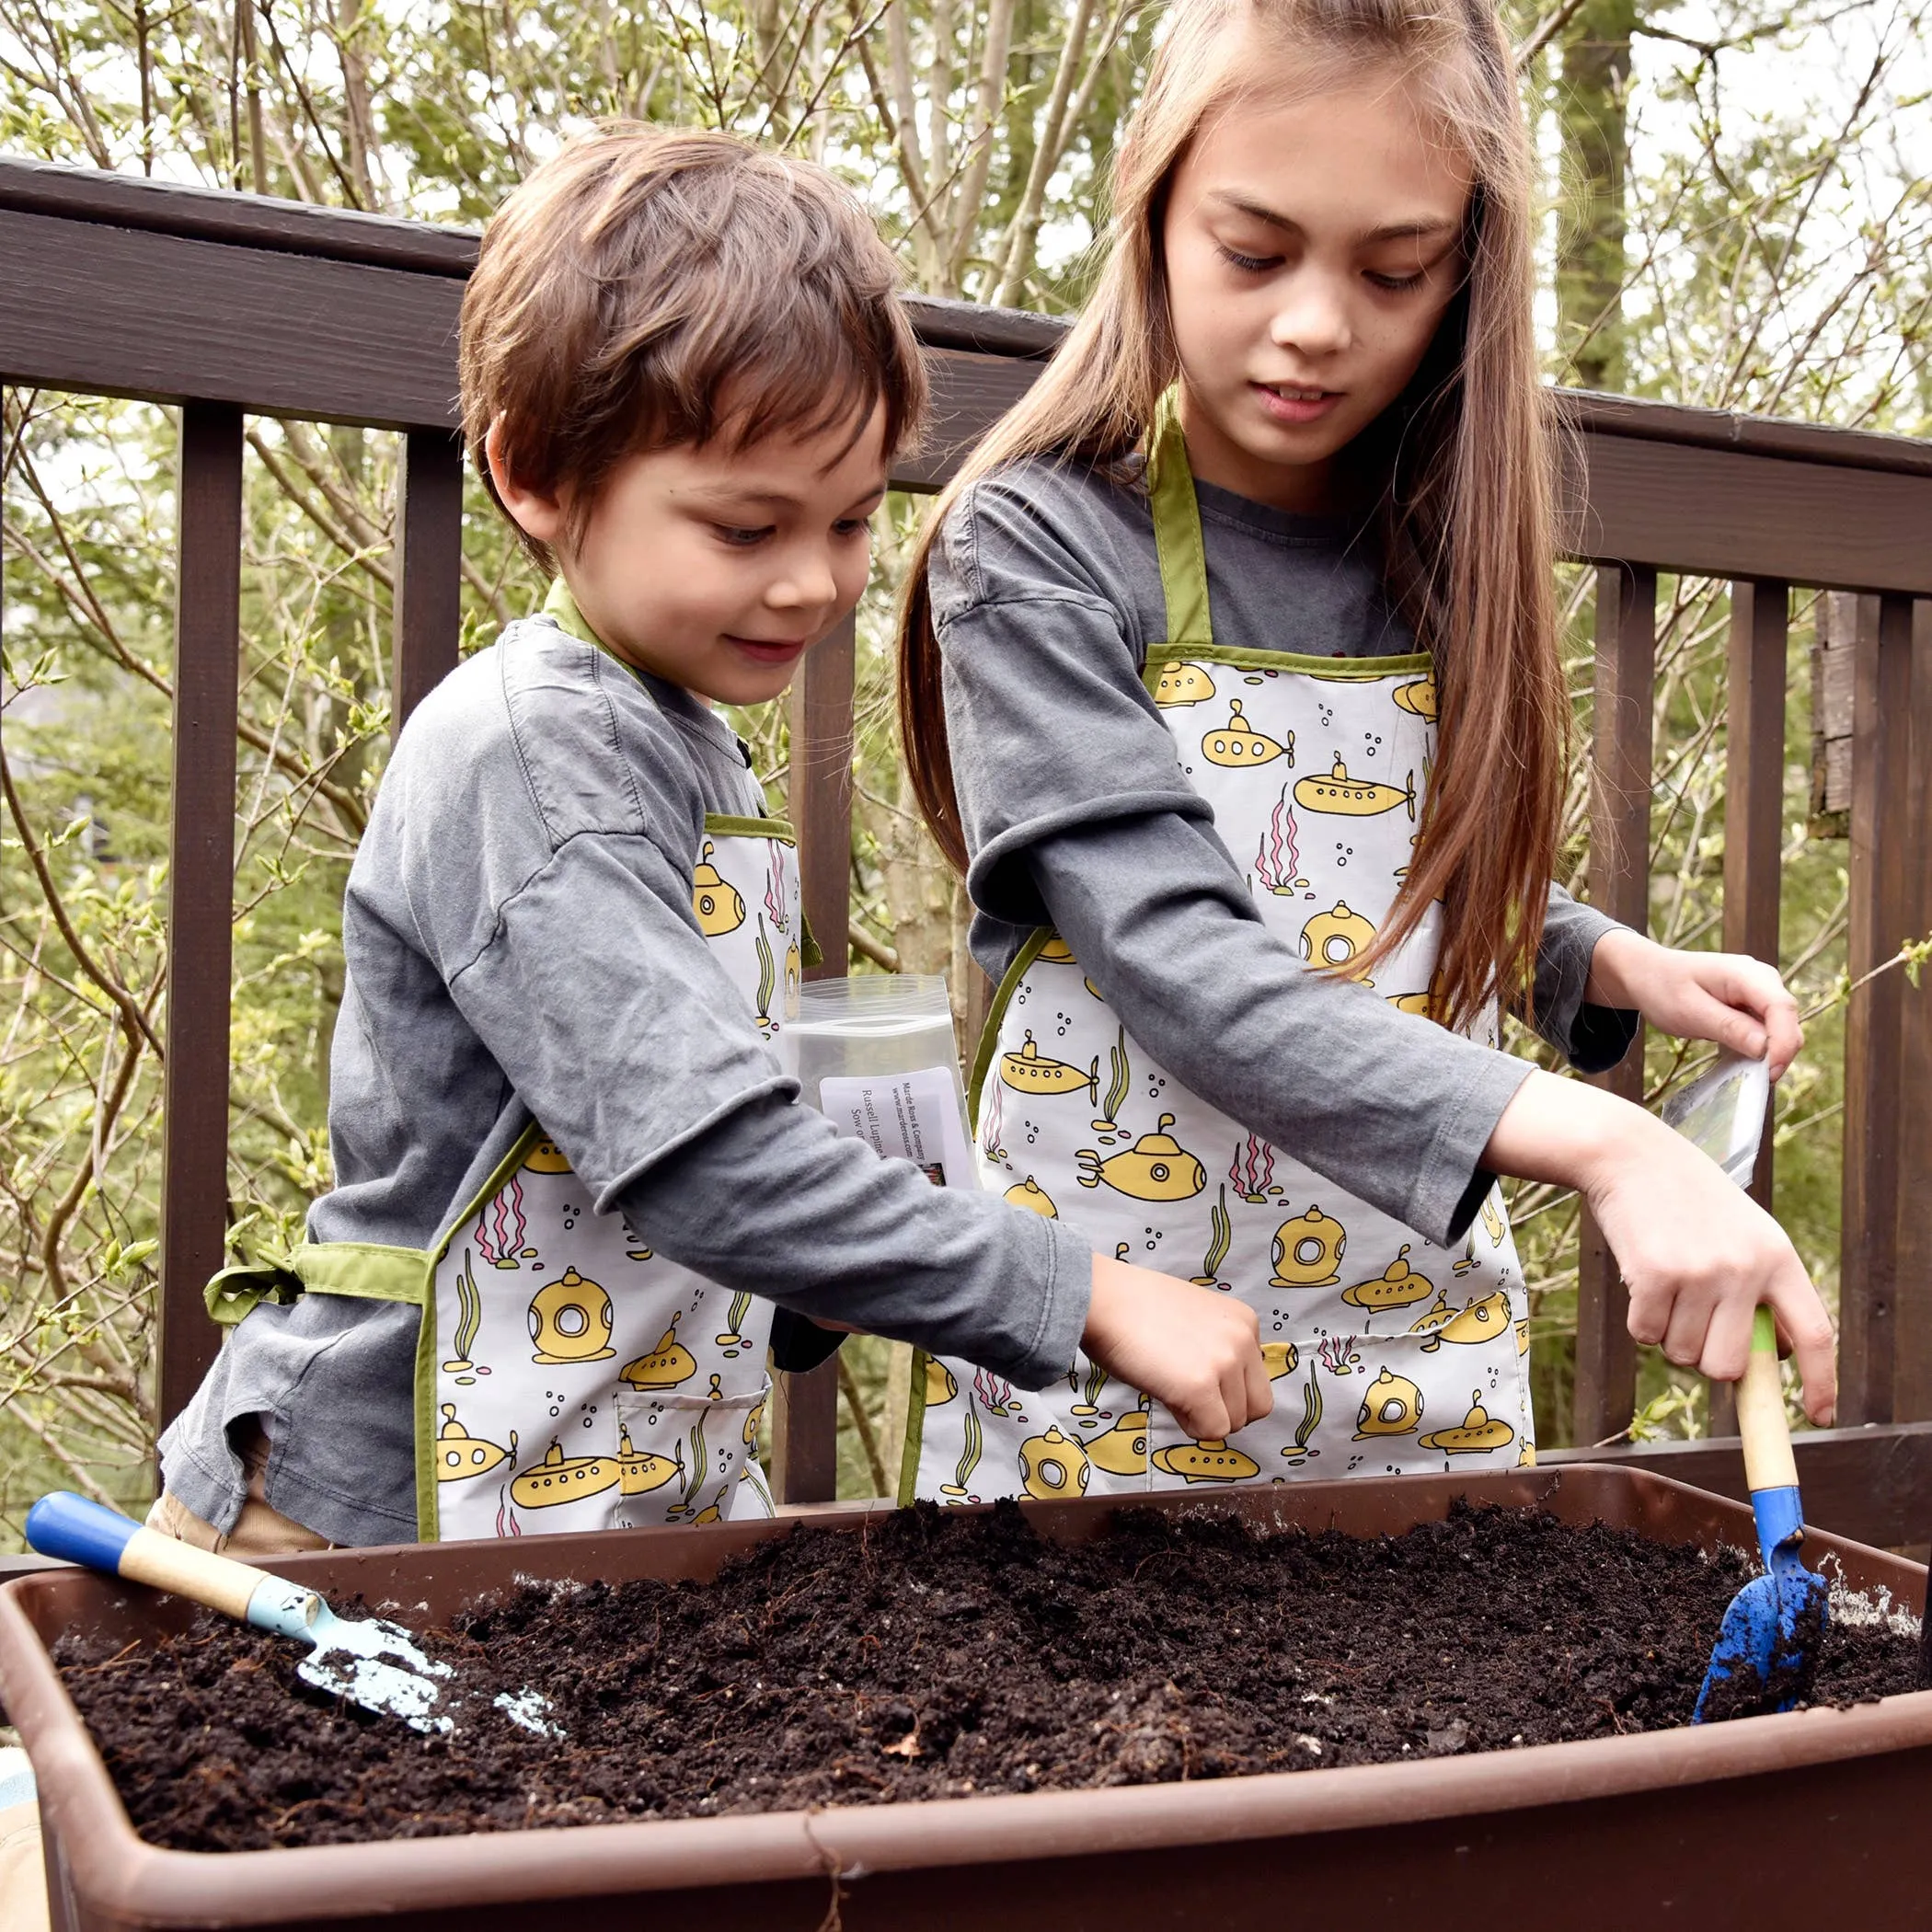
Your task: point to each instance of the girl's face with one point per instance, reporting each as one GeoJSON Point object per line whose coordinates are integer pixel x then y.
{"type": "Point", "coordinates": [1311, 245]}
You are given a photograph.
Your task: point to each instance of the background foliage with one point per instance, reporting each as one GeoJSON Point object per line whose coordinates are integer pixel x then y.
{"type": "Point", "coordinates": [1700, 246]}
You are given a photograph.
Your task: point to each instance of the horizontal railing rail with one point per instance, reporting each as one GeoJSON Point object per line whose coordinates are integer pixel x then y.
{"type": "Point", "coordinates": [232, 304]}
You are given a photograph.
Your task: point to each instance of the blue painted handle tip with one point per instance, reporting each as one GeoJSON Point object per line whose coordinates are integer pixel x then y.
{"type": "Point", "coordinates": [79, 1531]}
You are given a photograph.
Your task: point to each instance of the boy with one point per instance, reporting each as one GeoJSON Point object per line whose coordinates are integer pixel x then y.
{"type": "Point", "coordinates": [566, 1160]}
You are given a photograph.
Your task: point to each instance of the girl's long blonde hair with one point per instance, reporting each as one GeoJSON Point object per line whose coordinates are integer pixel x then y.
{"type": "Point", "coordinates": [1459, 468]}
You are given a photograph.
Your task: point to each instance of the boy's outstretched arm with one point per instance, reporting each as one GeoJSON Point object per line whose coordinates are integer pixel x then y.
{"type": "Point", "coordinates": [614, 1022]}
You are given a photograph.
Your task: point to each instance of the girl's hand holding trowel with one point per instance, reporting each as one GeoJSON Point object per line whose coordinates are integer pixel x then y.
{"type": "Point", "coordinates": [1698, 1255]}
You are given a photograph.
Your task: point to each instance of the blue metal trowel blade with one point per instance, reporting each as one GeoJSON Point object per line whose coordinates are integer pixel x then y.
{"type": "Point", "coordinates": [1767, 1644]}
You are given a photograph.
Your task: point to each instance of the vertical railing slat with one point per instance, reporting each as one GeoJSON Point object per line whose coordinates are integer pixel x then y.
{"type": "Point", "coordinates": [1912, 1377]}
{"type": "Point", "coordinates": [1620, 884]}
{"type": "Point", "coordinates": [1881, 730]}
{"type": "Point", "coordinates": [194, 1185]}
{"type": "Point", "coordinates": [429, 566]}
{"type": "Point", "coordinates": [805, 1415]}
{"type": "Point", "coordinates": [1754, 821]}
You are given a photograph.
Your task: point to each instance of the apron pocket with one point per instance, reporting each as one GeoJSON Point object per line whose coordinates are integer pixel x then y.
{"type": "Point", "coordinates": [682, 1455]}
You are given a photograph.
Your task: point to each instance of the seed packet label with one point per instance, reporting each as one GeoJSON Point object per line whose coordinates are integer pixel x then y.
{"type": "Point", "coordinates": [912, 1117]}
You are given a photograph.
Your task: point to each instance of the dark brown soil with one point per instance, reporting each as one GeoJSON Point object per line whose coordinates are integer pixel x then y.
{"type": "Point", "coordinates": [941, 1655]}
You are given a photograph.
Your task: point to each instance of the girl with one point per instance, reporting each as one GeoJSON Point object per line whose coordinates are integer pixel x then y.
{"type": "Point", "coordinates": [1230, 676]}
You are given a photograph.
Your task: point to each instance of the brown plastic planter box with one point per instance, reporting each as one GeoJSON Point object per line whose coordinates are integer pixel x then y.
{"type": "Point", "coordinates": [1811, 1819]}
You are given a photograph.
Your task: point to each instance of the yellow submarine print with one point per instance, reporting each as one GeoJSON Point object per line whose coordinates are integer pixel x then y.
{"type": "Point", "coordinates": [1334, 937]}
{"type": "Point", "coordinates": [1030, 1071]}
{"type": "Point", "coordinates": [1417, 699]}
{"type": "Point", "coordinates": [639, 1471]}
{"type": "Point", "coordinates": [1437, 1316]}
{"type": "Point", "coordinates": [565, 1478]}
{"type": "Point", "coordinates": [1481, 1321]}
{"type": "Point", "coordinates": [720, 905]}
{"type": "Point", "coordinates": [1028, 1193]}
{"type": "Point", "coordinates": [1428, 1004]}
{"type": "Point", "coordinates": [1157, 1168]}
{"type": "Point", "coordinates": [1052, 1467]}
{"type": "Point", "coordinates": [941, 1385]}
{"type": "Point", "coordinates": [460, 1455]}
{"type": "Point", "coordinates": [1055, 951]}
{"type": "Point", "coordinates": [1208, 1460]}
{"type": "Point", "coordinates": [571, 1320]}
{"type": "Point", "coordinates": [1392, 1407]}
{"type": "Point", "coordinates": [1123, 1450]}
{"type": "Point", "coordinates": [667, 1364]}
{"type": "Point", "coordinates": [545, 1158]}
{"type": "Point", "coordinates": [1238, 744]}
{"type": "Point", "coordinates": [1397, 1286]}
{"type": "Point", "coordinates": [1492, 1220]}
{"type": "Point", "coordinates": [1280, 1358]}
{"type": "Point", "coordinates": [1476, 1433]}
{"type": "Point", "coordinates": [1307, 1250]}
{"type": "Point", "coordinates": [1353, 798]}
{"type": "Point", "coordinates": [1181, 683]}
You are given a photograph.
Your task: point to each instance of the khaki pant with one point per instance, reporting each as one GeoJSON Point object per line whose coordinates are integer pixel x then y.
{"type": "Point", "coordinates": [261, 1533]}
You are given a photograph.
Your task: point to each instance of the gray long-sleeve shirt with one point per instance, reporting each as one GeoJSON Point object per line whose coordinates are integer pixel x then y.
{"type": "Point", "coordinates": [1046, 594]}
{"type": "Point", "coordinates": [520, 944]}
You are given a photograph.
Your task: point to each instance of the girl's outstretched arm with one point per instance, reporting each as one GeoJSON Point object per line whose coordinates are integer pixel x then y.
{"type": "Point", "coordinates": [1696, 1253]}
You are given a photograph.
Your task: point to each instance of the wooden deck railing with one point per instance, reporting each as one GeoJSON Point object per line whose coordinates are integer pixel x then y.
{"type": "Point", "coordinates": [229, 304]}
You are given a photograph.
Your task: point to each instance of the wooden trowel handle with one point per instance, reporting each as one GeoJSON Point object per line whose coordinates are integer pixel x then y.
{"type": "Point", "coordinates": [1768, 1461]}
{"type": "Point", "coordinates": [81, 1530]}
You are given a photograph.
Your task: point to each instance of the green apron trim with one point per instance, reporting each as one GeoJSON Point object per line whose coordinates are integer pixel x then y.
{"type": "Point", "coordinates": [360, 1270]}
{"type": "Point", "coordinates": [1176, 528]}
{"type": "Point", "coordinates": [721, 824]}
{"type": "Point", "coordinates": [423, 1421]}
{"type": "Point", "coordinates": [1183, 573]}
{"type": "Point", "coordinates": [915, 1431]}
{"type": "Point", "coordinates": [561, 605]}
{"type": "Point", "coordinates": [1335, 671]}
{"type": "Point", "coordinates": [989, 1033]}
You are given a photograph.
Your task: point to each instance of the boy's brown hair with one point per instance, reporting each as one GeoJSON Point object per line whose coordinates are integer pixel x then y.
{"type": "Point", "coordinates": [651, 287]}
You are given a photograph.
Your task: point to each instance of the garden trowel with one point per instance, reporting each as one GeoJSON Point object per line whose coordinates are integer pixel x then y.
{"type": "Point", "coordinates": [1767, 1645]}
{"type": "Point", "coordinates": [367, 1660]}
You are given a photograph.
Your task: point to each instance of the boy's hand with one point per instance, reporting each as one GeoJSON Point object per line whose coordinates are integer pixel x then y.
{"type": "Point", "coordinates": [1729, 997]}
{"type": "Point", "coordinates": [1196, 1349]}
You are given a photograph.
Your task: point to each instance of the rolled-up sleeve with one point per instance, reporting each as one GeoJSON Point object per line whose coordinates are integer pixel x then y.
{"type": "Point", "coordinates": [1591, 1037]}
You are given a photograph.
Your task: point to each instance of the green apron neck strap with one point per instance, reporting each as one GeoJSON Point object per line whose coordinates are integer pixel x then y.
{"type": "Point", "coordinates": [561, 605]}
{"type": "Point", "coordinates": [1177, 527]}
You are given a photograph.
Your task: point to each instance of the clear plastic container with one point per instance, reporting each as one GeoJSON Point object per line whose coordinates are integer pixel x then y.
{"type": "Point", "coordinates": [878, 1057]}
{"type": "Point", "coordinates": [1723, 1113]}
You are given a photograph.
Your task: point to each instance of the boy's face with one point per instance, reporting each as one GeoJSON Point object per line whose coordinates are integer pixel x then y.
{"type": "Point", "coordinates": [719, 569]}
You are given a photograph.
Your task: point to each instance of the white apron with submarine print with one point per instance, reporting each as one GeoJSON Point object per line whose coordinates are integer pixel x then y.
{"type": "Point", "coordinates": [1388, 1354]}
{"type": "Point", "coordinates": [582, 1382]}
